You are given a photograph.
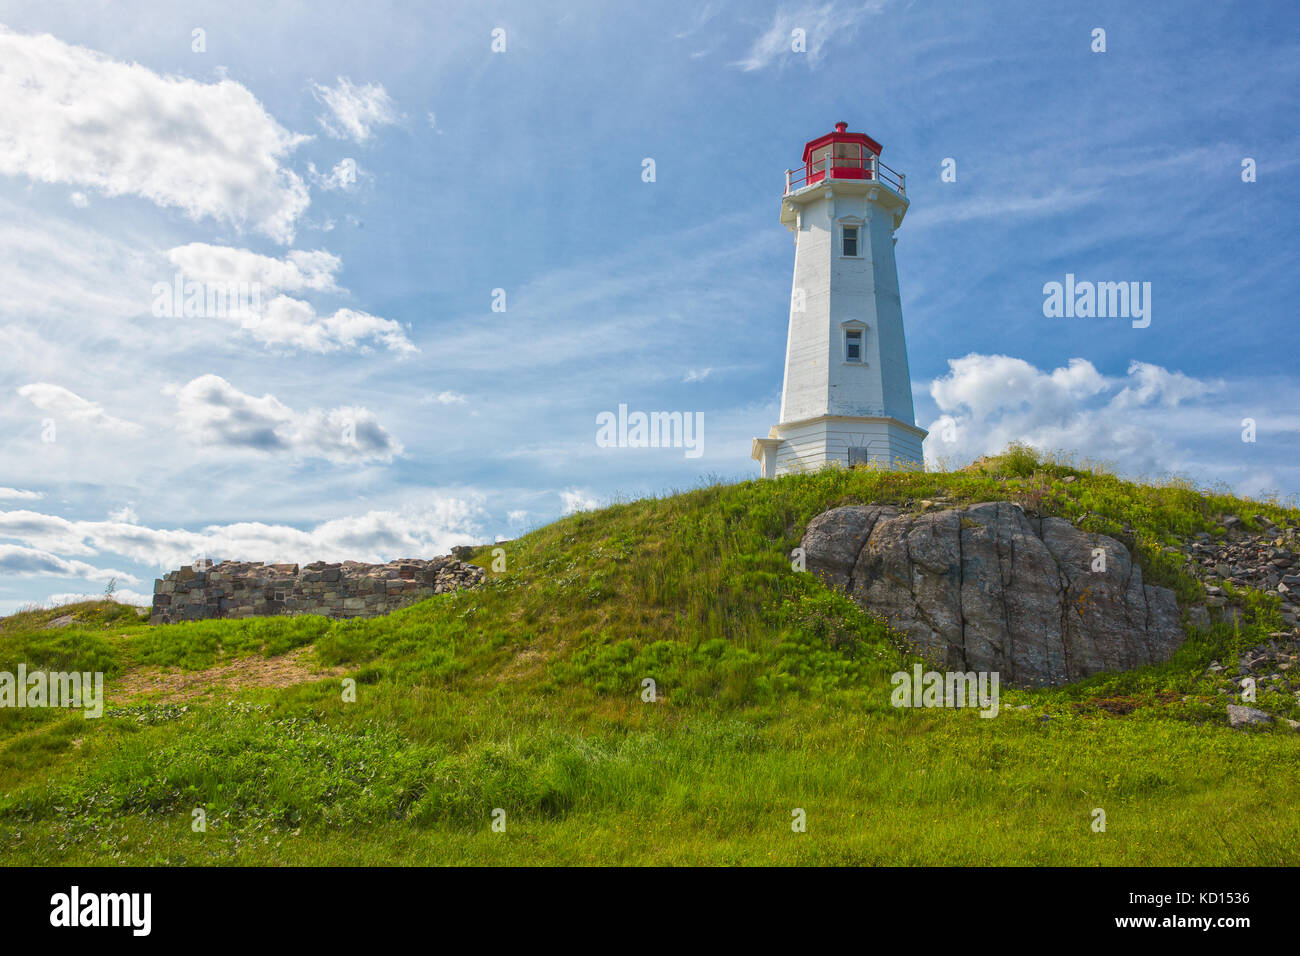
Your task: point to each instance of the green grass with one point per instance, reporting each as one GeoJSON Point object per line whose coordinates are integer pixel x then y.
{"type": "Point", "coordinates": [773, 694]}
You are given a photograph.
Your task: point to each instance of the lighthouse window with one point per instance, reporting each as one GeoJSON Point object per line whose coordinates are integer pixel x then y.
{"type": "Point", "coordinates": [848, 155]}
{"type": "Point", "coordinates": [821, 159]}
{"type": "Point", "coordinates": [853, 345]}
{"type": "Point", "coordinates": [850, 240]}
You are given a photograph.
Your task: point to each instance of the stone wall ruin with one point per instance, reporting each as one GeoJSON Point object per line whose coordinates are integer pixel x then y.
{"type": "Point", "coordinates": [234, 589]}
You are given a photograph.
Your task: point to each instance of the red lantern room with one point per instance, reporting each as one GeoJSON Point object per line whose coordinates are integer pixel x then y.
{"type": "Point", "coordinates": [842, 155]}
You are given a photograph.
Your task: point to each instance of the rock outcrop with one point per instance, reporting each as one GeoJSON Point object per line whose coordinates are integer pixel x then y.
{"type": "Point", "coordinates": [988, 588]}
{"type": "Point", "coordinates": [349, 589]}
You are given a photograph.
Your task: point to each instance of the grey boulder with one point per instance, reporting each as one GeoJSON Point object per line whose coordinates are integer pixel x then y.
{"type": "Point", "coordinates": [988, 588]}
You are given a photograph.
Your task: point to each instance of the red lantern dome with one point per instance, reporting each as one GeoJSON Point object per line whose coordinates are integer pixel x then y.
{"type": "Point", "coordinates": [848, 154]}
{"type": "Point", "coordinates": [842, 155]}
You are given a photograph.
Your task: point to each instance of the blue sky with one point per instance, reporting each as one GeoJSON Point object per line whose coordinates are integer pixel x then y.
{"type": "Point", "coordinates": [380, 170]}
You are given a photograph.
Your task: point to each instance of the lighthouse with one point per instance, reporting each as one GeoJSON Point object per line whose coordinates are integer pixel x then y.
{"type": "Point", "coordinates": [847, 395]}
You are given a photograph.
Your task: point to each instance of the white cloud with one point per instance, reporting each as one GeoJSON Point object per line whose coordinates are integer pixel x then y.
{"type": "Point", "coordinates": [27, 562]}
{"type": "Point", "coordinates": [819, 23]}
{"type": "Point", "coordinates": [79, 200]}
{"type": "Point", "coordinates": [126, 515]}
{"type": "Point", "coordinates": [1002, 207]}
{"type": "Point", "coordinates": [444, 398]}
{"type": "Point", "coordinates": [355, 111]}
{"type": "Point", "coordinates": [697, 375]}
{"type": "Point", "coordinates": [65, 405]}
{"type": "Point", "coordinates": [984, 385]}
{"type": "Point", "coordinates": [343, 176]}
{"type": "Point", "coordinates": [299, 270]}
{"type": "Point", "coordinates": [295, 323]}
{"type": "Point", "coordinates": [208, 149]}
{"type": "Point", "coordinates": [18, 494]}
{"type": "Point", "coordinates": [989, 401]}
{"type": "Point", "coordinates": [120, 595]}
{"type": "Point", "coordinates": [286, 321]}
{"type": "Point", "coordinates": [572, 500]}
{"type": "Point", "coordinates": [57, 268]}
{"type": "Point", "coordinates": [51, 533]}
{"type": "Point", "coordinates": [1151, 383]}
{"type": "Point", "coordinates": [215, 414]}
{"type": "Point", "coordinates": [375, 536]}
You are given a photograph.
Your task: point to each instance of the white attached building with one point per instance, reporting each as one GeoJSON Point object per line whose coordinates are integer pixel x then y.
{"type": "Point", "coordinates": [847, 395]}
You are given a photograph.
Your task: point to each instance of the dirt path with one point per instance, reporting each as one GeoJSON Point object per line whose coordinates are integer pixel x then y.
{"type": "Point", "coordinates": [172, 686]}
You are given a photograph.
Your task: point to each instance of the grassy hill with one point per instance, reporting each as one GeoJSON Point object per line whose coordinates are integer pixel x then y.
{"type": "Point", "coordinates": [772, 696]}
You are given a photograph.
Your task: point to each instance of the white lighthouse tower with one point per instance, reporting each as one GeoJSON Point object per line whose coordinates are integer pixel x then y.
{"type": "Point", "coordinates": [847, 395]}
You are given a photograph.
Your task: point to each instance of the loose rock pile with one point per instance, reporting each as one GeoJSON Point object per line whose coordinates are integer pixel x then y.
{"type": "Point", "coordinates": [1274, 667]}
{"type": "Point", "coordinates": [348, 589]}
{"type": "Point", "coordinates": [1265, 561]}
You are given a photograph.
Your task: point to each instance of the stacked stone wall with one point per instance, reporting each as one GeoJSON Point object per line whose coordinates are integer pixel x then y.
{"type": "Point", "coordinates": [348, 589]}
